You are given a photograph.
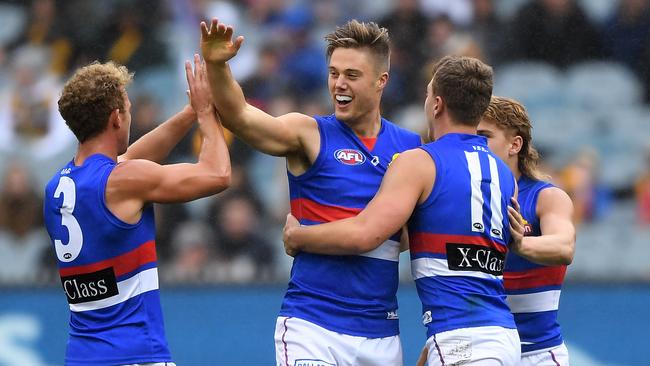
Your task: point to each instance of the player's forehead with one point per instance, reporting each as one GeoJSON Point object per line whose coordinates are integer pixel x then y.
{"type": "Point", "coordinates": [351, 59]}
{"type": "Point", "coordinates": [489, 125]}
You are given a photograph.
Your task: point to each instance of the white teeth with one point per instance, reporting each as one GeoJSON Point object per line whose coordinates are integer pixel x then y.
{"type": "Point", "coordinates": [343, 98]}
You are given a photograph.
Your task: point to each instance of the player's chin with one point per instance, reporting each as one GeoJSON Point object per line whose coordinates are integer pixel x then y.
{"type": "Point", "coordinates": [342, 115]}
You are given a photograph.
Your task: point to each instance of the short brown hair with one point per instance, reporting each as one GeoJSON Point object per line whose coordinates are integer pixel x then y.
{"type": "Point", "coordinates": [90, 96]}
{"type": "Point", "coordinates": [511, 116]}
{"type": "Point", "coordinates": [465, 84]}
{"type": "Point", "coordinates": [356, 34]}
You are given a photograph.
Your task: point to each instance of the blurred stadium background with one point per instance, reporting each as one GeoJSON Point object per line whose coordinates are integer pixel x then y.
{"type": "Point", "coordinates": [582, 68]}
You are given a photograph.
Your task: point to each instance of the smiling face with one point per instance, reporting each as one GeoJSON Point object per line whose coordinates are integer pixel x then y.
{"type": "Point", "coordinates": [355, 83]}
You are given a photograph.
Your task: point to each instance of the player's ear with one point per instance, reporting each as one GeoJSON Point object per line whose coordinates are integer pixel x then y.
{"type": "Point", "coordinates": [515, 145]}
{"type": "Point", "coordinates": [438, 106]}
{"type": "Point", "coordinates": [114, 119]}
{"type": "Point", "coordinates": [382, 81]}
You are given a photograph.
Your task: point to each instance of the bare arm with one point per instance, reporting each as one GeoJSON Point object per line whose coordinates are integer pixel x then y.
{"type": "Point", "coordinates": [137, 181]}
{"type": "Point", "coordinates": [159, 142]}
{"type": "Point", "coordinates": [556, 245]}
{"type": "Point", "coordinates": [385, 214]}
{"type": "Point", "coordinates": [275, 136]}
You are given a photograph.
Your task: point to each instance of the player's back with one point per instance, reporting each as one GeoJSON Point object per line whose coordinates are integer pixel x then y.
{"type": "Point", "coordinates": [459, 236]}
{"type": "Point", "coordinates": [354, 294]}
{"type": "Point", "coordinates": [108, 270]}
{"type": "Point", "coordinates": [533, 290]}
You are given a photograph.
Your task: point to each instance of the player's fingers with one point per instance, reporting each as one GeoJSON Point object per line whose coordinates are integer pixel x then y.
{"type": "Point", "coordinates": [515, 203]}
{"type": "Point", "coordinates": [238, 42]}
{"type": "Point", "coordinates": [204, 30]}
{"type": "Point", "coordinates": [221, 29]}
{"type": "Point", "coordinates": [197, 66]}
{"type": "Point", "coordinates": [228, 32]}
{"type": "Point", "coordinates": [213, 25]}
{"type": "Point", "coordinates": [188, 74]}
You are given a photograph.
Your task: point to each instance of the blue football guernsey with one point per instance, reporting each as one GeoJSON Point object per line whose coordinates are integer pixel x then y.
{"type": "Point", "coordinates": [459, 236]}
{"type": "Point", "coordinates": [533, 290]}
{"type": "Point", "coordinates": [108, 270]}
{"type": "Point", "coordinates": [355, 294]}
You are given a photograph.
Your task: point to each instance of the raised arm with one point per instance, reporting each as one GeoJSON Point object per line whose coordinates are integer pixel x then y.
{"type": "Point", "coordinates": [279, 136]}
{"type": "Point", "coordinates": [159, 142]}
{"type": "Point", "coordinates": [556, 245]}
{"type": "Point", "coordinates": [135, 182]}
{"type": "Point", "coordinates": [407, 181]}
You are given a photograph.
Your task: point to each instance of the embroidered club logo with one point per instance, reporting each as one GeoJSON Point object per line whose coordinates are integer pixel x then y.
{"type": "Point", "coordinates": [349, 156]}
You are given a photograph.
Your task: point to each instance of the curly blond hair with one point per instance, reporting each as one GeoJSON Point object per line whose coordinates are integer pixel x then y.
{"type": "Point", "coordinates": [511, 116]}
{"type": "Point", "coordinates": [91, 94]}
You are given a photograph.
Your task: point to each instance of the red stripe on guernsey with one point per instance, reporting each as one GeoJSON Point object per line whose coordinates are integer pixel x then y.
{"type": "Point", "coordinates": [538, 277]}
{"type": "Point", "coordinates": [303, 208]}
{"type": "Point", "coordinates": [437, 243]}
{"type": "Point", "coordinates": [125, 263]}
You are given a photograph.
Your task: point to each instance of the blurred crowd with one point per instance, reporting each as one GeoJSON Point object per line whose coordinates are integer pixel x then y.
{"type": "Point", "coordinates": [235, 237]}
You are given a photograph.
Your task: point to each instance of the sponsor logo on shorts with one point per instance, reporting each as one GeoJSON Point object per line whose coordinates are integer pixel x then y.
{"type": "Point", "coordinates": [468, 257]}
{"type": "Point", "coordinates": [90, 286]}
{"type": "Point", "coordinates": [313, 363]}
{"type": "Point", "coordinates": [349, 156]}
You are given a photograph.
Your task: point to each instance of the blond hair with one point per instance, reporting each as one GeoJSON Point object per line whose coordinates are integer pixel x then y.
{"type": "Point", "coordinates": [511, 116]}
{"type": "Point", "coordinates": [356, 34]}
{"type": "Point", "coordinates": [91, 94]}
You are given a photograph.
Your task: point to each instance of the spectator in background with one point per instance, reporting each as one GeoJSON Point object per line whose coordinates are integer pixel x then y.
{"type": "Point", "coordinates": [626, 38]}
{"type": "Point", "coordinates": [626, 33]}
{"type": "Point", "coordinates": [193, 253]}
{"type": "Point", "coordinates": [579, 179]}
{"type": "Point", "coordinates": [444, 38]}
{"type": "Point", "coordinates": [303, 63]}
{"type": "Point", "coordinates": [642, 192]}
{"type": "Point", "coordinates": [241, 250]}
{"type": "Point", "coordinates": [487, 30]}
{"type": "Point", "coordinates": [405, 23]}
{"type": "Point", "coordinates": [23, 242]}
{"type": "Point", "coordinates": [131, 36]}
{"type": "Point", "coordinates": [554, 31]}
{"type": "Point", "coordinates": [30, 122]}
{"type": "Point", "coordinates": [44, 28]}
{"type": "Point", "coordinates": [266, 81]}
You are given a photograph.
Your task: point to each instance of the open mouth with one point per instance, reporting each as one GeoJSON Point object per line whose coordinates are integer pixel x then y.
{"type": "Point", "coordinates": [343, 100]}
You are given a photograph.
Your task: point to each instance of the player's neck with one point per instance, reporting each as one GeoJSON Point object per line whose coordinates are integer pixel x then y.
{"type": "Point", "coordinates": [366, 126]}
{"type": "Point", "coordinates": [96, 145]}
{"type": "Point", "coordinates": [447, 128]}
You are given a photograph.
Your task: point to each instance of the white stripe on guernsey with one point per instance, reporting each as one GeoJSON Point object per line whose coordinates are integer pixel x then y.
{"type": "Point", "coordinates": [388, 250]}
{"type": "Point", "coordinates": [431, 267]}
{"type": "Point", "coordinates": [495, 199]}
{"type": "Point", "coordinates": [474, 166]}
{"type": "Point", "coordinates": [534, 303]}
{"type": "Point", "coordinates": [142, 282]}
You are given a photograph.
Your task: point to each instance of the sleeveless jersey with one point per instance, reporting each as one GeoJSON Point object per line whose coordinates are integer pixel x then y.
{"type": "Point", "coordinates": [352, 294]}
{"type": "Point", "coordinates": [533, 290]}
{"type": "Point", "coordinates": [108, 270]}
{"type": "Point", "coordinates": [459, 237]}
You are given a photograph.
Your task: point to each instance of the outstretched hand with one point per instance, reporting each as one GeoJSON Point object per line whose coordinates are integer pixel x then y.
{"type": "Point", "coordinates": [217, 44]}
{"type": "Point", "coordinates": [199, 88]}
{"type": "Point", "coordinates": [291, 223]}
{"type": "Point", "coordinates": [517, 226]}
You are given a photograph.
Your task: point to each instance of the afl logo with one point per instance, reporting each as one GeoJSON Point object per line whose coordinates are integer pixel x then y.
{"type": "Point", "coordinates": [349, 156]}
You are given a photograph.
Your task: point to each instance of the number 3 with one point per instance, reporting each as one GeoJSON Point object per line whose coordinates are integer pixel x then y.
{"type": "Point", "coordinates": [68, 252]}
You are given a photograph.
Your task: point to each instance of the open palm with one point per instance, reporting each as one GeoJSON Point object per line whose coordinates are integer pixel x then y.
{"type": "Point", "coordinates": [217, 44]}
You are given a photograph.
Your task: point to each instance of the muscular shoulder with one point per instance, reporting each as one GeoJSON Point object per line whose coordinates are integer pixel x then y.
{"type": "Point", "coordinates": [553, 199]}
{"type": "Point", "coordinates": [132, 175]}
